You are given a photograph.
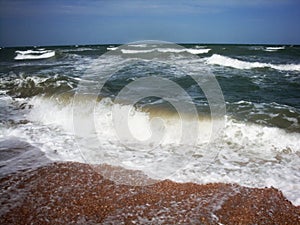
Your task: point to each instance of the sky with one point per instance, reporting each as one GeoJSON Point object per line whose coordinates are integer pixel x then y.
{"type": "Point", "coordinates": [71, 22]}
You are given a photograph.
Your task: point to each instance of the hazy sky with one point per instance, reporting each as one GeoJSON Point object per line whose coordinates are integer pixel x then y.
{"type": "Point", "coordinates": [63, 22]}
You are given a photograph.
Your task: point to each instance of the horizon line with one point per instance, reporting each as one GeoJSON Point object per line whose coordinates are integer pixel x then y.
{"type": "Point", "coordinates": [179, 43]}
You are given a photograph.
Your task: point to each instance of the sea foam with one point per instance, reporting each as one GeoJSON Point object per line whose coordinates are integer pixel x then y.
{"type": "Point", "coordinates": [274, 49]}
{"type": "Point", "coordinates": [34, 54]}
{"type": "Point", "coordinates": [111, 48]}
{"type": "Point", "coordinates": [246, 153]}
{"type": "Point", "coordinates": [216, 59]}
{"type": "Point", "coordinates": [165, 50]}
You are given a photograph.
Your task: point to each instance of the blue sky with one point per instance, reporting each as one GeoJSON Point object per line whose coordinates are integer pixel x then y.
{"type": "Point", "coordinates": [68, 22]}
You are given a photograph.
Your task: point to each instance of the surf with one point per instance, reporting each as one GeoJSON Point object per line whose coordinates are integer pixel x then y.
{"type": "Point", "coordinates": [226, 61]}
{"type": "Point", "coordinates": [34, 54]}
{"type": "Point", "coordinates": [236, 156]}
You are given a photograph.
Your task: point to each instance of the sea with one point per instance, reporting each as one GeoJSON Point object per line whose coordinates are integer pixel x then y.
{"type": "Point", "coordinates": [200, 113]}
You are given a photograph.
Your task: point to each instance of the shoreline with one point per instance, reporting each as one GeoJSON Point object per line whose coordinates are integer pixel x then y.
{"type": "Point", "coordinates": [77, 193]}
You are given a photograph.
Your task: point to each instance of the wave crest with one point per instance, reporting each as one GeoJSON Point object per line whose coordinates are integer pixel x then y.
{"type": "Point", "coordinates": [166, 50]}
{"type": "Point", "coordinates": [216, 59]}
{"type": "Point", "coordinates": [34, 54]}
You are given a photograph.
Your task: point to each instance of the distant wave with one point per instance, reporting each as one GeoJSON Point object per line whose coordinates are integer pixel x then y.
{"type": "Point", "coordinates": [77, 49]}
{"type": "Point", "coordinates": [131, 51]}
{"type": "Point", "coordinates": [198, 51]}
{"type": "Point", "coordinates": [166, 50]}
{"type": "Point", "coordinates": [216, 59]}
{"type": "Point", "coordinates": [111, 48]}
{"type": "Point", "coordinates": [138, 45]}
{"type": "Point", "coordinates": [34, 54]}
{"type": "Point", "coordinates": [266, 49]}
{"type": "Point", "coordinates": [274, 49]}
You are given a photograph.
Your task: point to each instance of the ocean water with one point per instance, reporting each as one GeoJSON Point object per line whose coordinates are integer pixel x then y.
{"type": "Point", "coordinates": [53, 109]}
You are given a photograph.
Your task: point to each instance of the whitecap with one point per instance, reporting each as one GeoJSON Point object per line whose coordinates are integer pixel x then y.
{"type": "Point", "coordinates": [274, 49]}
{"type": "Point", "coordinates": [138, 45]}
{"type": "Point", "coordinates": [111, 48]}
{"type": "Point", "coordinates": [131, 51]}
{"type": "Point", "coordinates": [198, 51]}
{"type": "Point", "coordinates": [216, 59]}
{"type": "Point", "coordinates": [166, 50]}
{"type": "Point", "coordinates": [34, 54]}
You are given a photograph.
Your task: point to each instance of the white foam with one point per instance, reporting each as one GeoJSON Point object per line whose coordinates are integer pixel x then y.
{"type": "Point", "coordinates": [34, 54]}
{"type": "Point", "coordinates": [190, 50]}
{"type": "Point", "coordinates": [248, 154]}
{"type": "Point", "coordinates": [274, 49]}
{"type": "Point", "coordinates": [198, 51]}
{"type": "Point", "coordinates": [111, 48]}
{"type": "Point", "coordinates": [20, 80]}
{"type": "Point", "coordinates": [131, 51]}
{"type": "Point", "coordinates": [39, 51]}
{"type": "Point", "coordinates": [166, 50]}
{"type": "Point", "coordinates": [251, 155]}
{"type": "Point", "coordinates": [138, 45]}
{"type": "Point", "coordinates": [216, 59]}
{"type": "Point", "coordinates": [23, 81]}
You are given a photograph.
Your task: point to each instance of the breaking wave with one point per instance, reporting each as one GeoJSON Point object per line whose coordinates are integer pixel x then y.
{"type": "Point", "coordinates": [34, 54]}
{"type": "Point", "coordinates": [274, 49]}
{"type": "Point", "coordinates": [166, 50]}
{"type": "Point", "coordinates": [216, 59]}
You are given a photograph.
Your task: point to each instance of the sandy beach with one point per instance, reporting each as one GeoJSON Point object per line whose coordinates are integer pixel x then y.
{"type": "Point", "coordinates": [75, 193]}
{"type": "Point", "coordinates": [149, 112]}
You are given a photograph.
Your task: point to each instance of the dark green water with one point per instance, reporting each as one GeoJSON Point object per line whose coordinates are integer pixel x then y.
{"type": "Point", "coordinates": [260, 145]}
{"type": "Point", "coordinates": [261, 84]}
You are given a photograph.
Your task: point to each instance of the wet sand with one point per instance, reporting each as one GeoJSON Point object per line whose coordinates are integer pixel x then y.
{"type": "Point", "coordinates": [75, 193]}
